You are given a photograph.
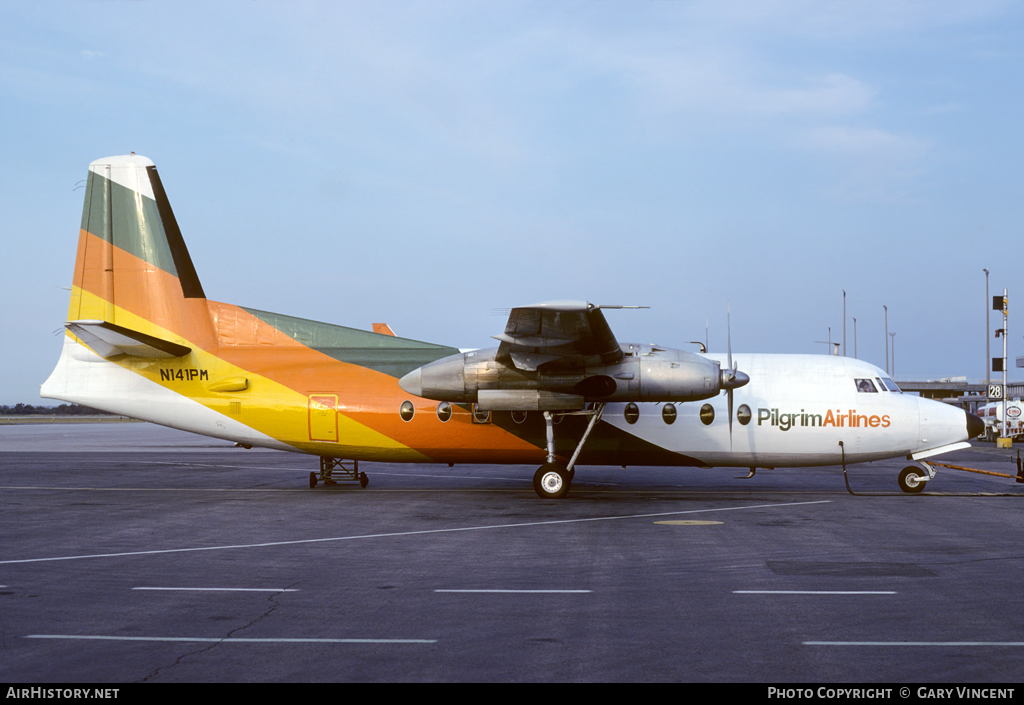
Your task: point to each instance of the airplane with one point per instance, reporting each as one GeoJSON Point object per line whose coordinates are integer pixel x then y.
{"type": "Point", "coordinates": [142, 340]}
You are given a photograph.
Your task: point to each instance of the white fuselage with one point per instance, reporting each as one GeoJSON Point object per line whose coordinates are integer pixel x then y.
{"type": "Point", "coordinates": [800, 408]}
{"type": "Point", "coordinates": [794, 412]}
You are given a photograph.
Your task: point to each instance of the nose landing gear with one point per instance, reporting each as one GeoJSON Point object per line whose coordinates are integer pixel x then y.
{"type": "Point", "coordinates": [912, 479]}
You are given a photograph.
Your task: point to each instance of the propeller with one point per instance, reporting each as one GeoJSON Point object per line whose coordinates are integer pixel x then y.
{"type": "Point", "coordinates": [731, 377]}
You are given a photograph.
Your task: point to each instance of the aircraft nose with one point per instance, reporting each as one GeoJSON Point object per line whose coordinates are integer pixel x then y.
{"type": "Point", "coordinates": [975, 426]}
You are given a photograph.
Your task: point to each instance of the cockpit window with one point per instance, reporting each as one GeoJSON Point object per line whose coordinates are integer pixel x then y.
{"type": "Point", "coordinates": [866, 385]}
{"type": "Point", "coordinates": [890, 385]}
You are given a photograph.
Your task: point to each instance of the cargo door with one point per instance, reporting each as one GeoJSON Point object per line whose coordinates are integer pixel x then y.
{"type": "Point", "coordinates": [323, 417]}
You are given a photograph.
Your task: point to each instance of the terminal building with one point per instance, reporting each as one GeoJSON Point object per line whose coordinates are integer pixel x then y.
{"type": "Point", "coordinates": [959, 392]}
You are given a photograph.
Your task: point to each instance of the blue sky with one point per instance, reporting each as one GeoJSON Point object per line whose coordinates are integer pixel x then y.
{"type": "Point", "coordinates": [429, 163]}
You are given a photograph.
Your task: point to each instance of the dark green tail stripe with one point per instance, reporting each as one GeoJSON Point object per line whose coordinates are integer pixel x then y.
{"type": "Point", "coordinates": [190, 285]}
{"type": "Point", "coordinates": [112, 212]}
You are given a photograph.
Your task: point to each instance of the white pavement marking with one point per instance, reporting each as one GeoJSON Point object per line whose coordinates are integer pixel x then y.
{"type": "Point", "coordinates": [914, 643]}
{"type": "Point", "coordinates": [521, 591]}
{"type": "Point", "coordinates": [229, 640]}
{"type": "Point", "coordinates": [211, 589]}
{"type": "Point", "coordinates": [149, 489]}
{"type": "Point", "coordinates": [406, 533]}
{"type": "Point", "coordinates": [452, 477]}
{"type": "Point", "coordinates": [376, 471]}
{"type": "Point", "coordinates": [814, 592]}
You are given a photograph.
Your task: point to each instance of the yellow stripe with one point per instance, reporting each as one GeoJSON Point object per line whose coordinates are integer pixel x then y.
{"type": "Point", "coordinates": [266, 406]}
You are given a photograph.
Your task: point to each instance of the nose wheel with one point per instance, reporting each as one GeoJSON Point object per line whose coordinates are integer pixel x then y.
{"type": "Point", "coordinates": [912, 479]}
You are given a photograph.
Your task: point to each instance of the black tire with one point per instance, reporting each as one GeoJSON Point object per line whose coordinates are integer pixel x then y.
{"type": "Point", "coordinates": [363, 480]}
{"type": "Point", "coordinates": [312, 480]}
{"type": "Point", "coordinates": [910, 479]}
{"type": "Point", "coordinates": [551, 481]}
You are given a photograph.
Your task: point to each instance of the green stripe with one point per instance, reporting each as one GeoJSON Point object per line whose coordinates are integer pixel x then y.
{"type": "Point", "coordinates": [127, 220]}
{"type": "Point", "coordinates": [384, 353]}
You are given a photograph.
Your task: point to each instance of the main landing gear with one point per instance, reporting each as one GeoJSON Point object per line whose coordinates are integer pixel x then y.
{"type": "Point", "coordinates": [553, 479]}
{"type": "Point", "coordinates": [328, 465]}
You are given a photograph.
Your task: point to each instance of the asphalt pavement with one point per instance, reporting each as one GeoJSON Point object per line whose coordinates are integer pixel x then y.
{"type": "Point", "coordinates": [133, 553]}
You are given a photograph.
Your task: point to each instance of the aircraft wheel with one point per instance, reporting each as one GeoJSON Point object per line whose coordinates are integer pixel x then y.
{"type": "Point", "coordinates": [363, 480]}
{"type": "Point", "coordinates": [312, 480]}
{"type": "Point", "coordinates": [551, 481]}
{"type": "Point", "coordinates": [910, 480]}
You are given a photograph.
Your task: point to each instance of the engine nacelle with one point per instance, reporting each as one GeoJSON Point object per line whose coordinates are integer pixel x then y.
{"type": "Point", "coordinates": [644, 373]}
{"type": "Point", "coordinates": [679, 379]}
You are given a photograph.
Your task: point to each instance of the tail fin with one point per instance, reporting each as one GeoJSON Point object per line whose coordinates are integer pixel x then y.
{"type": "Point", "coordinates": [132, 268]}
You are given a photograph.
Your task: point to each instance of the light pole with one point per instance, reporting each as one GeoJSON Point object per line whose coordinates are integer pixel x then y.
{"type": "Point", "coordinates": [886, 339]}
{"type": "Point", "coordinates": [844, 322]}
{"type": "Point", "coordinates": [1004, 363]}
{"type": "Point", "coordinates": [855, 337]}
{"type": "Point", "coordinates": [988, 356]}
{"type": "Point", "coordinates": [893, 336]}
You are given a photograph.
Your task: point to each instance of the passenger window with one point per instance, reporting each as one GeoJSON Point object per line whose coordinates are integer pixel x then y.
{"type": "Point", "coordinates": [444, 411]}
{"type": "Point", "coordinates": [632, 413]}
{"type": "Point", "coordinates": [865, 385]}
{"type": "Point", "coordinates": [668, 413]}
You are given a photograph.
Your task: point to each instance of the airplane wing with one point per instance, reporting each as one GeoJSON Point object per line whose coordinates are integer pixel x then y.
{"type": "Point", "coordinates": [564, 331]}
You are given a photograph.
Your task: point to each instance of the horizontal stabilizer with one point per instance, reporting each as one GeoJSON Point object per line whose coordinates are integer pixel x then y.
{"type": "Point", "coordinates": [108, 339]}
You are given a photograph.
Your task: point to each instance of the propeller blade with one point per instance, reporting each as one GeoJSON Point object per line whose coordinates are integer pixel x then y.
{"type": "Point", "coordinates": [732, 366]}
{"type": "Point", "coordinates": [730, 419]}
{"type": "Point", "coordinates": [728, 334]}
{"type": "Point", "coordinates": [731, 377]}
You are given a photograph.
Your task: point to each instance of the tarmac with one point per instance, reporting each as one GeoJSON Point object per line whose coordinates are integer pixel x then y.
{"type": "Point", "coordinates": [133, 553]}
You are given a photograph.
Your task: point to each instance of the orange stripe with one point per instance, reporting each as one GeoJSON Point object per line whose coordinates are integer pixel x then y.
{"type": "Point", "coordinates": [368, 397]}
{"type": "Point", "coordinates": [373, 398]}
{"type": "Point", "coordinates": [139, 287]}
